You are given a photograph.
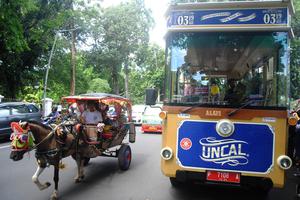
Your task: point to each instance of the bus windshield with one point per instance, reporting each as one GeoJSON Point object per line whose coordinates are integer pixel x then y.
{"type": "Point", "coordinates": [227, 68]}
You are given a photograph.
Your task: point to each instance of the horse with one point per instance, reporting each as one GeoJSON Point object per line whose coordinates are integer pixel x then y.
{"type": "Point", "coordinates": [51, 144]}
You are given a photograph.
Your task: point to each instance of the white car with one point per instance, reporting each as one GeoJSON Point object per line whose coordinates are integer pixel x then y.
{"type": "Point", "coordinates": [137, 113]}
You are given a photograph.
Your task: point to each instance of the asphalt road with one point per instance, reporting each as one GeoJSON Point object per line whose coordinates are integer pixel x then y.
{"type": "Point", "coordinates": [104, 180]}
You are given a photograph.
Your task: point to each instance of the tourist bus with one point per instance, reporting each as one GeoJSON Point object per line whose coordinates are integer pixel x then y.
{"type": "Point", "coordinates": [226, 94]}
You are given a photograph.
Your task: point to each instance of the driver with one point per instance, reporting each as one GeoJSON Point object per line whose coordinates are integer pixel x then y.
{"type": "Point", "coordinates": [91, 116]}
{"type": "Point", "coordinates": [93, 120]}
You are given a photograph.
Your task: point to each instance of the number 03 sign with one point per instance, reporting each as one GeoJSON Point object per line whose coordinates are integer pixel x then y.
{"type": "Point", "coordinates": [275, 16]}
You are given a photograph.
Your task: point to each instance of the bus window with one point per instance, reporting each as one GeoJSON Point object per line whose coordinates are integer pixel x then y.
{"type": "Point", "coordinates": [203, 66]}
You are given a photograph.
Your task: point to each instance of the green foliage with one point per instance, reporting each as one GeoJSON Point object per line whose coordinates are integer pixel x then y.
{"type": "Point", "coordinates": [125, 29]}
{"type": "Point", "coordinates": [149, 74]}
{"type": "Point", "coordinates": [33, 94]}
{"type": "Point", "coordinates": [11, 15]}
{"type": "Point", "coordinates": [295, 69]}
{"type": "Point", "coordinates": [295, 54]}
{"type": "Point", "coordinates": [25, 36]}
{"type": "Point", "coordinates": [99, 85]}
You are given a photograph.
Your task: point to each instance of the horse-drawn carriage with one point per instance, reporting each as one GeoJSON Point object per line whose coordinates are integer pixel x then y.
{"type": "Point", "coordinates": [77, 137]}
{"type": "Point", "coordinates": [109, 133]}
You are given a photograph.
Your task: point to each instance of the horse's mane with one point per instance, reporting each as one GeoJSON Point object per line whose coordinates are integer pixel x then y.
{"type": "Point", "coordinates": [40, 124]}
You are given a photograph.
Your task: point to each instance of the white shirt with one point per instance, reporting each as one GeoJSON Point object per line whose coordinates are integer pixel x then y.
{"type": "Point", "coordinates": [92, 117]}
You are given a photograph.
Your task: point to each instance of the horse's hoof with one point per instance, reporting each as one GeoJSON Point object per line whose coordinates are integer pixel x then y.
{"type": "Point", "coordinates": [77, 180]}
{"type": "Point", "coordinates": [54, 197]}
{"type": "Point", "coordinates": [45, 186]}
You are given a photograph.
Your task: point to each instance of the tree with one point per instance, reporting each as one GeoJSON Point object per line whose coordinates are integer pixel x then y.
{"type": "Point", "coordinates": [295, 54]}
{"type": "Point", "coordinates": [149, 73]}
{"type": "Point", "coordinates": [99, 85]}
{"type": "Point", "coordinates": [26, 34]}
{"type": "Point", "coordinates": [125, 29]}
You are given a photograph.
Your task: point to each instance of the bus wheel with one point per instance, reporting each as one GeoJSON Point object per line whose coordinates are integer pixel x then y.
{"type": "Point", "coordinates": [297, 191]}
{"type": "Point", "coordinates": [263, 191]}
{"type": "Point", "coordinates": [175, 183]}
{"type": "Point", "coordinates": [124, 157]}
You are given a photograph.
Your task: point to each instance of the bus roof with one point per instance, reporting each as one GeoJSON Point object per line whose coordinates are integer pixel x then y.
{"type": "Point", "coordinates": [231, 4]}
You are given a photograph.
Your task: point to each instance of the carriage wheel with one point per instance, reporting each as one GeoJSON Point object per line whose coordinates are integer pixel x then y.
{"type": "Point", "coordinates": [124, 157]}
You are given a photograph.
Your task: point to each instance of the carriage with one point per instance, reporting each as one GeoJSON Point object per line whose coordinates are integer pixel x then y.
{"type": "Point", "coordinates": [111, 137]}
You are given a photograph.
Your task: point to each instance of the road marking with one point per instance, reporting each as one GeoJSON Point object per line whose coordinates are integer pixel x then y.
{"type": "Point", "coordinates": [3, 147]}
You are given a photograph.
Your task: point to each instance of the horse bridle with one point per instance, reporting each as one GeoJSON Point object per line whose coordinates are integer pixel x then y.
{"type": "Point", "coordinates": [41, 142]}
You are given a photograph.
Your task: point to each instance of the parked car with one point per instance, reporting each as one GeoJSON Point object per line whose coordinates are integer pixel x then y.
{"type": "Point", "coordinates": [151, 122]}
{"type": "Point", "coordinates": [137, 113]}
{"type": "Point", "coordinates": [14, 112]}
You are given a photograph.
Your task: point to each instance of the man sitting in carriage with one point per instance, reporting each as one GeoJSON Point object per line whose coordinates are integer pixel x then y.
{"type": "Point", "coordinates": [92, 119]}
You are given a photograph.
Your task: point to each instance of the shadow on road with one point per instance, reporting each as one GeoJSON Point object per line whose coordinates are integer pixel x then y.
{"type": "Point", "coordinates": [212, 192]}
{"type": "Point", "coordinates": [205, 192]}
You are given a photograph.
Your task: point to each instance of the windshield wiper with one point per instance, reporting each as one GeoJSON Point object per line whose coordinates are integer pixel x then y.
{"type": "Point", "coordinates": [239, 108]}
{"type": "Point", "coordinates": [189, 108]}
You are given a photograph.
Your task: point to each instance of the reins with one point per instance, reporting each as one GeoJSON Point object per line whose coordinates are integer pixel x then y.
{"type": "Point", "coordinates": [46, 138]}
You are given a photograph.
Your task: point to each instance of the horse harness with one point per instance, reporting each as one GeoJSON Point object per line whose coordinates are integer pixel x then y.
{"type": "Point", "coordinates": [53, 153]}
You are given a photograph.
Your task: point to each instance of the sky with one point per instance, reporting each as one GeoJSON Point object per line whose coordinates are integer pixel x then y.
{"type": "Point", "coordinates": [158, 8]}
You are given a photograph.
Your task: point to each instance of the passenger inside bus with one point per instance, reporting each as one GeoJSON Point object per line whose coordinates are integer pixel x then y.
{"type": "Point", "coordinates": [235, 94]}
{"type": "Point", "coordinates": [214, 92]}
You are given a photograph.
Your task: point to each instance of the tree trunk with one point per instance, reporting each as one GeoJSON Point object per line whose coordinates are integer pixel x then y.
{"type": "Point", "coordinates": [115, 80]}
{"type": "Point", "coordinates": [73, 63]}
{"type": "Point", "coordinates": [11, 87]}
{"type": "Point", "coordinates": [126, 79]}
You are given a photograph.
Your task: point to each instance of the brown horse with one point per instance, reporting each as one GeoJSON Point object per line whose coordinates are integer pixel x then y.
{"type": "Point", "coordinates": [51, 146]}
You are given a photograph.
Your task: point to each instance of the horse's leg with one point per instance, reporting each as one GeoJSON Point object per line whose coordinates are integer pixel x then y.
{"type": "Point", "coordinates": [82, 168]}
{"type": "Point", "coordinates": [54, 195]}
{"type": "Point", "coordinates": [79, 162]}
{"type": "Point", "coordinates": [35, 178]}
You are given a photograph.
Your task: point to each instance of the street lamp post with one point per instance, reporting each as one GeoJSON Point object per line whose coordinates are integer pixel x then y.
{"type": "Point", "coordinates": [46, 76]}
{"type": "Point", "coordinates": [48, 66]}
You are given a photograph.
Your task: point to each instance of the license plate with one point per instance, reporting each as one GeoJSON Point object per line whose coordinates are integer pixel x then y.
{"type": "Point", "coordinates": [230, 177]}
{"type": "Point", "coordinates": [152, 128]}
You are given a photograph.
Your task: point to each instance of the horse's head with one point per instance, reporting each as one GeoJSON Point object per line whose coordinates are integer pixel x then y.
{"type": "Point", "coordinates": [22, 140]}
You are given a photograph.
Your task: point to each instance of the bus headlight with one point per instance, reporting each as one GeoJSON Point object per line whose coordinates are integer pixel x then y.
{"type": "Point", "coordinates": [163, 115]}
{"type": "Point", "coordinates": [225, 128]}
{"type": "Point", "coordinates": [292, 120]}
{"type": "Point", "coordinates": [166, 153]}
{"type": "Point", "coordinates": [284, 162]}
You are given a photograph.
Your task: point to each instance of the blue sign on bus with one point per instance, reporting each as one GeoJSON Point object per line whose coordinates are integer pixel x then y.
{"type": "Point", "coordinates": [274, 16]}
{"type": "Point", "coordinates": [249, 149]}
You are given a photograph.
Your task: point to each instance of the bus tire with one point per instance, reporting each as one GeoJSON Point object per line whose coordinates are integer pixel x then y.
{"type": "Point", "coordinates": [297, 191]}
{"type": "Point", "coordinates": [262, 191]}
{"type": "Point", "coordinates": [124, 157]}
{"type": "Point", "coordinates": [175, 183]}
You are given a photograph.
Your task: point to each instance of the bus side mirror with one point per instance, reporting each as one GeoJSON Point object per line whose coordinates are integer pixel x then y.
{"type": "Point", "coordinates": [151, 96]}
